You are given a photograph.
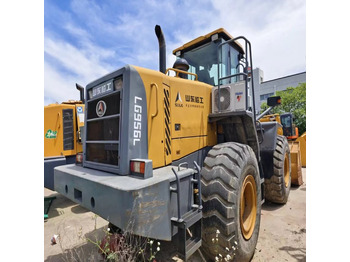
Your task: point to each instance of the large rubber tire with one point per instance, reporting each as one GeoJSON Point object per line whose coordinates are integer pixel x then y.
{"type": "Point", "coordinates": [277, 188]}
{"type": "Point", "coordinates": [230, 178]}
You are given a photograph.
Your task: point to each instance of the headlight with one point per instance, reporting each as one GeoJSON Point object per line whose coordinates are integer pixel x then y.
{"type": "Point", "coordinates": [118, 83]}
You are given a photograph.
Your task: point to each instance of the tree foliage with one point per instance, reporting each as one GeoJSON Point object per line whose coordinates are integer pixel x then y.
{"type": "Point", "coordinates": [293, 101]}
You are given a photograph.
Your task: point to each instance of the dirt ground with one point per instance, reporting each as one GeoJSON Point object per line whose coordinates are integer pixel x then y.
{"type": "Point", "coordinates": [282, 234]}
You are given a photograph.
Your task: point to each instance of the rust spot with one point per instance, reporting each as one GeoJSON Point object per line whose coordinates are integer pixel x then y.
{"type": "Point", "coordinates": [128, 212]}
{"type": "Point", "coordinates": [151, 204]}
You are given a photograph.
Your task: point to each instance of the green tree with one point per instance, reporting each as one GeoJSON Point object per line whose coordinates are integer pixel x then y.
{"type": "Point", "coordinates": [293, 100]}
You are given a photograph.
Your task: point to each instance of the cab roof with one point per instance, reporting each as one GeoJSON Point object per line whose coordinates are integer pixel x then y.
{"type": "Point", "coordinates": [206, 39]}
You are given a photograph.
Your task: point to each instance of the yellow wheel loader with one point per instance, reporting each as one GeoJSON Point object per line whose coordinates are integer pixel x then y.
{"type": "Point", "coordinates": [297, 144]}
{"type": "Point", "coordinates": [62, 135]}
{"type": "Point", "coordinates": [181, 158]}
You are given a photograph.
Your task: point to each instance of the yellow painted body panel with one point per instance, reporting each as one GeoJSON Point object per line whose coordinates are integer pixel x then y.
{"type": "Point", "coordinates": [297, 150]}
{"type": "Point", "coordinates": [188, 103]}
{"type": "Point", "coordinates": [202, 38]}
{"type": "Point", "coordinates": [297, 178]}
{"type": "Point", "coordinates": [80, 117]}
{"type": "Point", "coordinates": [302, 142]}
{"type": "Point", "coordinates": [154, 87]}
{"type": "Point", "coordinates": [273, 117]}
{"type": "Point", "coordinates": [53, 129]}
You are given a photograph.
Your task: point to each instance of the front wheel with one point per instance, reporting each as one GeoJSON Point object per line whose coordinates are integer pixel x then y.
{"type": "Point", "coordinates": [231, 194]}
{"type": "Point", "coordinates": [278, 186]}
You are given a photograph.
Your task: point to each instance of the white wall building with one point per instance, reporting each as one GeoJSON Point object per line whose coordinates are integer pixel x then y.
{"type": "Point", "coordinates": [264, 89]}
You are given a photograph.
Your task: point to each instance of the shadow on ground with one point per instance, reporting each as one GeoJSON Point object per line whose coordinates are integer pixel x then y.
{"type": "Point", "coordinates": [297, 253]}
{"type": "Point", "coordinates": [269, 206]}
{"type": "Point", "coordinates": [79, 209]}
{"type": "Point", "coordinates": [60, 203]}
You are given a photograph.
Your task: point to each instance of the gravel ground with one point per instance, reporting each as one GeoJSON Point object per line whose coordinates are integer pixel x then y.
{"type": "Point", "coordinates": [282, 234]}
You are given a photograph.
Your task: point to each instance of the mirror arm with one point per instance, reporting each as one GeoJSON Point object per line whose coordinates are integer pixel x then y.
{"type": "Point", "coordinates": [264, 113]}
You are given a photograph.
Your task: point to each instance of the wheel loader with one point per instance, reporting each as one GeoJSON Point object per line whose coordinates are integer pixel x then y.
{"type": "Point", "coordinates": [179, 154]}
{"type": "Point", "coordinates": [297, 144]}
{"type": "Point", "coordinates": [62, 135]}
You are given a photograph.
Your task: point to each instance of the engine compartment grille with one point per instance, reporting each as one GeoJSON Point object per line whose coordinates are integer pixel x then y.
{"type": "Point", "coordinates": [68, 129]}
{"type": "Point", "coordinates": [103, 129]}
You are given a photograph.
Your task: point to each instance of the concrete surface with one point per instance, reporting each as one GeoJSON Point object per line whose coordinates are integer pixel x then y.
{"type": "Point", "coordinates": [282, 234]}
{"type": "Point", "coordinates": [73, 224]}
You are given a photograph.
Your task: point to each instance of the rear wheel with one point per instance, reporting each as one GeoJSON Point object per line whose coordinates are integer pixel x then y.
{"type": "Point", "coordinates": [278, 186]}
{"type": "Point", "coordinates": [231, 194]}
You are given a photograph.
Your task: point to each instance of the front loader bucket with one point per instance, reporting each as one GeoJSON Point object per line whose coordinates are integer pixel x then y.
{"type": "Point", "coordinates": [302, 141]}
{"type": "Point", "coordinates": [297, 178]}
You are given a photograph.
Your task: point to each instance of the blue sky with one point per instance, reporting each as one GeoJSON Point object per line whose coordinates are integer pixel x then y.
{"type": "Point", "coordinates": [84, 40]}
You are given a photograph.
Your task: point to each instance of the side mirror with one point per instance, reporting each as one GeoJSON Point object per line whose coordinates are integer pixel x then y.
{"type": "Point", "coordinates": [273, 101]}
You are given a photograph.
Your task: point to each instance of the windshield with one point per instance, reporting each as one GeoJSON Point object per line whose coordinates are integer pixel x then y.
{"type": "Point", "coordinates": [203, 61]}
{"type": "Point", "coordinates": [286, 121]}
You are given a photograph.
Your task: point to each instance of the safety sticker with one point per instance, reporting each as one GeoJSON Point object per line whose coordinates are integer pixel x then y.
{"type": "Point", "coordinates": [239, 95]}
{"type": "Point", "coordinates": [81, 118]}
{"type": "Point", "coordinates": [79, 109]}
{"type": "Point", "coordinates": [51, 134]}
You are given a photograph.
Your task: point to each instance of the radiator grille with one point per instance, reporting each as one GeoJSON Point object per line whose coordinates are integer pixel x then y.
{"type": "Point", "coordinates": [167, 122]}
{"type": "Point", "coordinates": [103, 132]}
{"type": "Point", "coordinates": [68, 130]}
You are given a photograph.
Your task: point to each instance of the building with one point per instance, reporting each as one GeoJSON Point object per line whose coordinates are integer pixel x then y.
{"type": "Point", "coordinates": [264, 89]}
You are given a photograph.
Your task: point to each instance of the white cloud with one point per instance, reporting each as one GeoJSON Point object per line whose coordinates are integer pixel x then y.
{"type": "Point", "coordinates": [66, 65]}
{"type": "Point", "coordinates": [77, 32]}
{"type": "Point", "coordinates": [276, 30]}
{"type": "Point", "coordinates": [58, 87]}
{"type": "Point", "coordinates": [107, 36]}
{"type": "Point", "coordinates": [80, 62]}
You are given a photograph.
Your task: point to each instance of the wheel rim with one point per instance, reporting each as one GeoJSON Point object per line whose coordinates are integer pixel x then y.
{"type": "Point", "coordinates": [248, 207]}
{"type": "Point", "coordinates": [286, 171]}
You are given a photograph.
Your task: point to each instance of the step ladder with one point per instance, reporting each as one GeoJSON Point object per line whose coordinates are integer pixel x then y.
{"type": "Point", "coordinates": [189, 236]}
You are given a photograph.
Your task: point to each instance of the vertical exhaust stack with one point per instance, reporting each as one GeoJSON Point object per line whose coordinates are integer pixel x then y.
{"type": "Point", "coordinates": [81, 90]}
{"type": "Point", "coordinates": [162, 49]}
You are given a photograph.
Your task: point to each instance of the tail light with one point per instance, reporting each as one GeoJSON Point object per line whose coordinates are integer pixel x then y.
{"type": "Point", "coordinates": [79, 159]}
{"type": "Point", "coordinates": [141, 168]}
{"type": "Point", "coordinates": [137, 167]}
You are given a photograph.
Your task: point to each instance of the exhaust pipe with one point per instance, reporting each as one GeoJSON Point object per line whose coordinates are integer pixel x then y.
{"type": "Point", "coordinates": [81, 90]}
{"type": "Point", "coordinates": [162, 49]}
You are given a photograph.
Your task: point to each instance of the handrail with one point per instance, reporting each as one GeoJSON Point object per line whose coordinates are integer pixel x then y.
{"type": "Point", "coordinates": [182, 164]}
{"type": "Point", "coordinates": [181, 71]}
{"type": "Point", "coordinates": [155, 114]}
{"type": "Point", "coordinates": [199, 183]}
{"type": "Point", "coordinates": [249, 63]}
{"type": "Point", "coordinates": [177, 191]}
{"type": "Point", "coordinates": [233, 75]}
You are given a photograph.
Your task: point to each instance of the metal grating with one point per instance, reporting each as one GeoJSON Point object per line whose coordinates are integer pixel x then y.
{"type": "Point", "coordinates": [103, 132]}
{"type": "Point", "coordinates": [68, 130]}
{"type": "Point", "coordinates": [167, 122]}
